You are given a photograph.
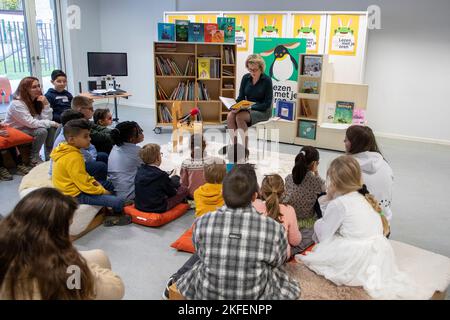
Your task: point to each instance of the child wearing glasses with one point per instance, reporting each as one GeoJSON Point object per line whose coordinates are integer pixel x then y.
{"type": "Point", "coordinates": [155, 190]}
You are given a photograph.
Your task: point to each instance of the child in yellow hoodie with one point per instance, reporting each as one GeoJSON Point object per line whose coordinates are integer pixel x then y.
{"type": "Point", "coordinates": [70, 176]}
{"type": "Point", "coordinates": [208, 197]}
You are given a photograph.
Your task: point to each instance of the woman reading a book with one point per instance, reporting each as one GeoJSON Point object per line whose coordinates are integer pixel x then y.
{"type": "Point", "coordinates": [255, 87]}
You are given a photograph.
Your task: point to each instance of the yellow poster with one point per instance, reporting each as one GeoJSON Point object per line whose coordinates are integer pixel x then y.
{"type": "Point", "coordinates": [171, 19]}
{"type": "Point", "coordinates": [344, 35]}
{"type": "Point", "coordinates": [206, 18]}
{"type": "Point", "coordinates": [242, 30]}
{"type": "Point", "coordinates": [270, 25]}
{"type": "Point", "coordinates": [307, 26]}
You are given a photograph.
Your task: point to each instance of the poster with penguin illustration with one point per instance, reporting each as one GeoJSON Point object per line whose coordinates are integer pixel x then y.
{"type": "Point", "coordinates": [344, 35]}
{"type": "Point", "coordinates": [281, 58]}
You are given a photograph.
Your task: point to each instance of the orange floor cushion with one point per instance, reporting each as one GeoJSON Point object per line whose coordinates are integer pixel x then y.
{"type": "Point", "coordinates": [15, 138]}
{"type": "Point", "coordinates": [184, 243]}
{"type": "Point", "coordinates": [156, 219]}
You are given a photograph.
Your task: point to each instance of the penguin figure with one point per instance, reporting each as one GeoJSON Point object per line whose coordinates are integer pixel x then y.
{"type": "Point", "coordinates": [284, 63]}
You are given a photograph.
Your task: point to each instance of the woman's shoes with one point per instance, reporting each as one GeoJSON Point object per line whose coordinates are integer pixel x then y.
{"type": "Point", "coordinates": [5, 175]}
{"type": "Point", "coordinates": [121, 220]}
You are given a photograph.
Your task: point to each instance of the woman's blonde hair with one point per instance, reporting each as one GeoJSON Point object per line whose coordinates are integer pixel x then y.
{"type": "Point", "coordinates": [272, 189]}
{"type": "Point", "coordinates": [345, 176]}
{"type": "Point", "coordinates": [256, 59]}
{"type": "Point", "coordinates": [150, 153]}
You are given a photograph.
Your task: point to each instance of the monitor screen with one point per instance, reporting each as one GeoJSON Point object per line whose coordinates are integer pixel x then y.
{"type": "Point", "coordinates": [107, 63]}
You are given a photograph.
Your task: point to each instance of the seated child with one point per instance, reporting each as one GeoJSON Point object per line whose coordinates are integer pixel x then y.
{"type": "Point", "coordinates": [240, 253]}
{"type": "Point", "coordinates": [58, 97]}
{"type": "Point", "coordinates": [94, 167]}
{"type": "Point", "coordinates": [100, 133]}
{"type": "Point", "coordinates": [192, 169]}
{"type": "Point", "coordinates": [154, 190]}
{"type": "Point", "coordinates": [303, 187]}
{"type": "Point", "coordinates": [272, 189]}
{"type": "Point", "coordinates": [124, 159]}
{"type": "Point", "coordinates": [70, 176]}
{"type": "Point", "coordinates": [353, 249]}
{"type": "Point", "coordinates": [37, 252]}
{"type": "Point", "coordinates": [208, 197]}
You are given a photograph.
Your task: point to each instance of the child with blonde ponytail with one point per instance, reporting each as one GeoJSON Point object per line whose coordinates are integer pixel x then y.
{"type": "Point", "coordinates": [352, 248]}
{"type": "Point", "coordinates": [272, 190]}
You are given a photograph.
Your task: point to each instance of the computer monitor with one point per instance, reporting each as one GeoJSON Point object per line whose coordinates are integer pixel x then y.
{"type": "Point", "coordinates": [107, 63]}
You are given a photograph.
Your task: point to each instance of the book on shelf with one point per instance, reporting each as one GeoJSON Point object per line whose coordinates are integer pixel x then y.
{"type": "Point", "coordinates": [228, 86]}
{"type": "Point", "coordinates": [228, 26]}
{"type": "Point", "coordinates": [307, 129]}
{"type": "Point", "coordinates": [182, 30]}
{"type": "Point", "coordinates": [166, 31]}
{"type": "Point", "coordinates": [196, 32]}
{"type": "Point", "coordinates": [204, 66]}
{"type": "Point", "coordinates": [167, 67]}
{"type": "Point", "coordinates": [227, 72]}
{"type": "Point", "coordinates": [330, 109]}
{"type": "Point", "coordinates": [312, 66]}
{"type": "Point", "coordinates": [311, 87]}
{"type": "Point", "coordinates": [305, 109]}
{"type": "Point", "coordinates": [203, 94]}
{"type": "Point", "coordinates": [231, 104]}
{"type": "Point", "coordinates": [166, 47]}
{"type": "Point", "coordinates": [218, 36]}
{"type": "Point", "coordinates": [164, 114]}
{"type": "Point", "coordinates": [228, 55]}
{"type": "Point", "coordinates": [210, 31]}
{"type": "Point", "coordinates": [343, 112]}
{"type": "Point", "coordinates": [183, 91]}
{"type": "Point", "coordinates": [189, 69]}
{"type": "Point", "coordinates": [359, 116]}
{"type": "Point", "coordinates": [285, 110]}
{"type": "Point", "coordinates": [162, 95]}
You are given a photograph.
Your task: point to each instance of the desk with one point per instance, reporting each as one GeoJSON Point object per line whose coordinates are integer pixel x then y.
{"type": "Point", "coordinates": [102, 97]}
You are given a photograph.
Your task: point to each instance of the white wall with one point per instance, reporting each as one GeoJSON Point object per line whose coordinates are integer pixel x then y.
{"type": "Point", "coordinates": [408, 60]}
{"type": "Point", "coordinates": [78, 42]}
{"type": "Point", "coordinates": [131, 26]}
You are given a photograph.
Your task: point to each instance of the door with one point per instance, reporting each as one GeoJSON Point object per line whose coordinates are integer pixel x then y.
{"type": "Point", "coordinates": [29, 44]}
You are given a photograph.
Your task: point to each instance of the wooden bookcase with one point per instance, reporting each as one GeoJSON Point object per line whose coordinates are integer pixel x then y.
{"type": "Point", "coordinates": [213, 112]}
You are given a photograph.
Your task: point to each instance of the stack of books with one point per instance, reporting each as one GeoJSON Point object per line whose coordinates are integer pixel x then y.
{"type": "Point", "coordinates": [203, 92]}
{"type": "Point", "coordinates": [162, 95]}
{"type": "Point", "coordinates": [166, 47]}
{"type": "Point", "coordinates": [164, 114]}
{"type": "Point", "coordinates": [167, 67]}
{"type": "Point", "coordinates": [229, 55]}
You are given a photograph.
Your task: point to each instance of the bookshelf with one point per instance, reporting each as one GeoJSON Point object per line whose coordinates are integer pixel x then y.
{"type": "Point", "coordinates": [177, 78]}
{"type": "Point", "coordinates": [315, 95]}
{"type": "Point", "coordinates": [310, 96]}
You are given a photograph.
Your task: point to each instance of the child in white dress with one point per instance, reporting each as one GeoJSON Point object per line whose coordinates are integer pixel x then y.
{"type": "Point", "coordinates": [352, 248]}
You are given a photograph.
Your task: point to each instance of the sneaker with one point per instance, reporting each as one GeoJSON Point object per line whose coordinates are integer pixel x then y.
{"type": "Point", "coordinates": [165, 294]}
{"type": "Point", "coordinates": [121, 220]}
{"type": "Point", "coordinates": [22, 170]}
{"type": "Point", "coordinates": [5, 175]}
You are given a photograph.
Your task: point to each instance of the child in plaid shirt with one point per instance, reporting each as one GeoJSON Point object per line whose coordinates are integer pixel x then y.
{"type": "Point", "coordinates": [240, 253]}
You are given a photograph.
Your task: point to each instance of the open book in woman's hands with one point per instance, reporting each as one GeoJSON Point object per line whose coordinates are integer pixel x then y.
{"type": "Point", "coordinates": [231, 104]}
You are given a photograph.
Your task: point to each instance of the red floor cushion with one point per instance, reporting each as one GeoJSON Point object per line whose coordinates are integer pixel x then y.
{"type": "Point", "coordinates": [15, 138]}
{"type": "Point", "coordinates": [184, 243]}
{"type": "Point", "coordinates": [156, 219]}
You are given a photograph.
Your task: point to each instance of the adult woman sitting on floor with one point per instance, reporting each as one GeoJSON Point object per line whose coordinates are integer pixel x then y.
{"type": "Point", "coordinates": [255, 87]}
{"type": "Point", "coordinates": [30, 112]}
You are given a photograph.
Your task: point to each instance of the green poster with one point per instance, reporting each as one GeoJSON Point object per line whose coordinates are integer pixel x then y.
{"type": "Point", "coordinates": [280, 56]}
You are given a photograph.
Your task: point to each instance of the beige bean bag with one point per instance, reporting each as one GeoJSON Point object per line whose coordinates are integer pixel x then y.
{"type": "Point", "coordinates": [84, 219]}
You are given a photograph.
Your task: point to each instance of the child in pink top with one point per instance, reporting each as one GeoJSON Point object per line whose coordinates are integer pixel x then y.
{"type": "Point", "coordinates": [192, 169]}
{"type": "Point", "coordinates": [272, 190]}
